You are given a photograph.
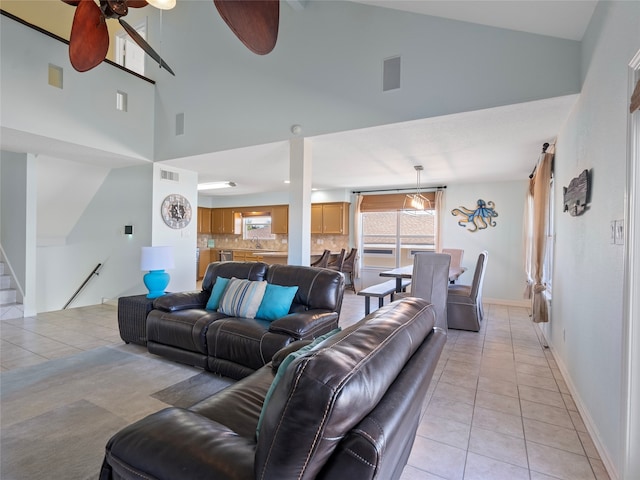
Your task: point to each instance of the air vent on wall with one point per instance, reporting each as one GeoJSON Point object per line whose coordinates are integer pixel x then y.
{"type": "Point", "coordinates": [180, 124]}
{"type": "Point", "coordinates": [169, 175]}
{"type": "Point", "coordinates": [391, 74]}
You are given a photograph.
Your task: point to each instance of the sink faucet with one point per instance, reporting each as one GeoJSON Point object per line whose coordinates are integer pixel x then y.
{"type": "Point", "coordinates": [257, 242]}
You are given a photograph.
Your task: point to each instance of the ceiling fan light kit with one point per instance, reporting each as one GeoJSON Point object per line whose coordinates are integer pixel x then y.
{"type": "Point", "coordinates": [162, 4]}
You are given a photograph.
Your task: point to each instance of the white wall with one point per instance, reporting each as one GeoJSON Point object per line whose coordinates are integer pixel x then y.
{"type": "Point", "coordinates": [586, 330]}
{"type": "Point", "coordinates": [13, 211]}
{"type": "Point", "coordinates": [504, 278]}
{"type": "Point", "coordinates": [124, 198]}
{"type": "Point", "coordinates": [184, 241]}
{"type": "Point", "coordinates": [447, 67]}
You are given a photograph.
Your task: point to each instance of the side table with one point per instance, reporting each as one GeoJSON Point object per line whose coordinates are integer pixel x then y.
{"type": "Point", "coordinates": [132, 318]}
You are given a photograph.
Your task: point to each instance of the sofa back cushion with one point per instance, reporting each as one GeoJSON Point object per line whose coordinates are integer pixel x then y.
{"type": "Point", "coordinates": [318, 288]}
{"type": "Point", "coordinates": [326, 392]}
{"type": "Point", "coordinates": [246, 270]}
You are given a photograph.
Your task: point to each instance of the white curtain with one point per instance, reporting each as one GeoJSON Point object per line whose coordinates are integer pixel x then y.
{"type": "Point", "coordinates": [535, 235]}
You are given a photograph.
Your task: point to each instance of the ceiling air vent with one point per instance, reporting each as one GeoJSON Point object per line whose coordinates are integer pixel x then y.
{"type": "Point", "coordinates": [169, 175]}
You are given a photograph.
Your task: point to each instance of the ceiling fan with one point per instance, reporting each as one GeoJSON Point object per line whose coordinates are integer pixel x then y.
{"type": "Point", "coordinates": [254, 22]}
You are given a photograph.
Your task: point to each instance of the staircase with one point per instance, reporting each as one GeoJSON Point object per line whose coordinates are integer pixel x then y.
{"type": "Point", "coordinates": [9, 308]}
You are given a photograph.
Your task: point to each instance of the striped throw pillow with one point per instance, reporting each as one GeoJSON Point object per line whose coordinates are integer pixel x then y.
{"type": "Point", "coordinates": [242, 298]}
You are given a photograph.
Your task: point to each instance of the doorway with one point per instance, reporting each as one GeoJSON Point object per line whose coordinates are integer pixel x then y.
{"type": "Point", "coordinates": [128, 53]}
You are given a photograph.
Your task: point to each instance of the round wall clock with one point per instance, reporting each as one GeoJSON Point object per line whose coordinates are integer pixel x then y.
{"type": "Point", "coordinates": [176, 211]}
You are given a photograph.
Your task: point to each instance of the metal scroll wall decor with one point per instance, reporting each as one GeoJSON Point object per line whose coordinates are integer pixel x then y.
{"type": "Point", "coordinates": [478, 219]}
{"type": "Point", "coordinates": [576, 195]}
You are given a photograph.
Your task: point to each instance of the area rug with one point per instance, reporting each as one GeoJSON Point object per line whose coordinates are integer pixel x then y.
{"type": "Point", "coordinates": [57, 417]}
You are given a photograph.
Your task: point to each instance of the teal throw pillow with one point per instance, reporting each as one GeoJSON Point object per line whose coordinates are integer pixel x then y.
{"type": "Point", "coordinates": [216, 293]}
{"type": "Point", "coordinates": [242, 298]}
{"type": "Point", "coordinates": [283, 368]}
{"type": "Point", "coordinates": [276, 302]}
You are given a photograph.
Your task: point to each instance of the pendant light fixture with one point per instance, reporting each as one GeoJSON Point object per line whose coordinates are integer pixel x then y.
{"type": "Point", "coordinates": [416, 203]}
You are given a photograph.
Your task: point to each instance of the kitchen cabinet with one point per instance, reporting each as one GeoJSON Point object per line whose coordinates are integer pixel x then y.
{"type": "Point", "coordinates": [225, 220]}
{"type": "Point", "coordinates": [247, 256]}
{"type": "Point", "coordinates": [203, 262]}
{"type": "Point", "coordinates": [280, 219]}
{"type": "Point", "coordinates": [330, 218]}
{"type": "Point", "coordinates": [204, 220]}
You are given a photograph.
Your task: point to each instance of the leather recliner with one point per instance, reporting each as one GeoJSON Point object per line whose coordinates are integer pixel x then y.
{"type": "Point", "coordinates": [181, 329]}
{"type": "Point", "coordinates": [348, 408]}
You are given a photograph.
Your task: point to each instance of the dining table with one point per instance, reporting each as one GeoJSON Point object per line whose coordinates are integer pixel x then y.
{"type": "Point", "coordinates": [407, 272]}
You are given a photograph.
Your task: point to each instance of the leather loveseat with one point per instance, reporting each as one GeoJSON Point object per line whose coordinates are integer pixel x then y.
{"type": "Point", "coordinates": [180, 327]}
{"type": "Point", "coordinates": [348, 408]}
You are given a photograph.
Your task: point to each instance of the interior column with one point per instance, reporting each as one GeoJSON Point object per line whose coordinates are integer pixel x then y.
{"type": "Point", "coordinates": [300, 159]}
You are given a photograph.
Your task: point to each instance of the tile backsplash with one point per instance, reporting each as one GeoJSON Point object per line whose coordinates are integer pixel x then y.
{"type": "Point", "coordinates": [318, 242]}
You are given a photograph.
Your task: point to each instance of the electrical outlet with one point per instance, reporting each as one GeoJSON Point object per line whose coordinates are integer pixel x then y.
{"type": "Point", "coordinates": [619, 232]}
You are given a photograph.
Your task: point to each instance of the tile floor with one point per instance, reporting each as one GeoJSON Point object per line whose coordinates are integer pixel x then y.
{"type": "Point", "coordinates": [498, 407]}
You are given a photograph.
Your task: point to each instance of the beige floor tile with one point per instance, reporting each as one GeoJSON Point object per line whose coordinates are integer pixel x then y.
{"type": "Point", "coordinates": [569, 403]}
{"type": "Point", "coordinates": [500, 403]}
{"type": "Point", "coordinates": [498, 446]}
{"type": "Point", "coordinates": [546, 413]}
{"type": "Point", "coordinates": [498, 386]}
{"type": "Point", "coordinates": [541, 395]}
{"type": "Point", "coordinates": [537, 370]}
{"type": "Point", "coordinates": [588, 445]}
{"type": "Point", "coordinates": [480, 467]}
{"type": "Point", "coordinates": [413, 473]}
{"type": "Point", "coordinates": [443, 430]}
{"type": "Point", "coordinates": [539, 360]}
{"type": "Point", "coordinates": [448, 408]}
{"type": "Point", "coordinates": [552, 436]}
{"type": "Point", "coordinates": [538, 382]}
{"type": "Point", "coordinates": [599, 470]}
{"type": "Point", "coordinates": [466, 380]}
{"type": "Point", "coordinates": [455, 392]}
{"type": "Point", "coordinates": [558, 463]}
{"type": "Point", "coordinates": [438, 458]}
{"type": "Point", "coordinates": [577, 422]}
{"type": "Point", "coordinates": [498, 421]}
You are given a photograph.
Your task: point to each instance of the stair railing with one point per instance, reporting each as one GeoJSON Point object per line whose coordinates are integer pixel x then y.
{"type": "Point", "coordinates": [86, 280]}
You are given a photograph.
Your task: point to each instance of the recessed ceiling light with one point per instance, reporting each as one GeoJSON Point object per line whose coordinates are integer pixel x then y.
{"type": "Point", "coordinates": [287, 181]}
{"type": "Point", "coordinates": [215, 185]}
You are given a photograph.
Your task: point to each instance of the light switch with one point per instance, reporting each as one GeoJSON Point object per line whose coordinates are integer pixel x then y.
{"type": "Point", "coordinates": [619, 232]}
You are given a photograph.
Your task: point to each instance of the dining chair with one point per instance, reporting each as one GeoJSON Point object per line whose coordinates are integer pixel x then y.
{"type": "Point", "coordinates": [336, 264]}
{"type": "Point", "coordinates": [348, 267]}
{"type": "Point", "coordinates": [464, 304]}
{"type": "Point", "coordinates": [430, 281]}
{"type": "Point", "coordinates": [456, 257]}
{"type": "Point", "coordinates": [323, 261]}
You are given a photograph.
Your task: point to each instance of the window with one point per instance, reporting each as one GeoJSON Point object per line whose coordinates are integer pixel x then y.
{"type": "Point", "coordinates": [257, 228]}
{"type": "Point", "coordinates": [391, 238]}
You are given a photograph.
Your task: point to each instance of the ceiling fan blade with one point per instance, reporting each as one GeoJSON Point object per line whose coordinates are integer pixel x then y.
{"type": "Point", "coordinates": [89, 39]}
{"type": "Point", "coordinates": [144, 45]}
{"type": "Point", "coordinates": [255, 22]}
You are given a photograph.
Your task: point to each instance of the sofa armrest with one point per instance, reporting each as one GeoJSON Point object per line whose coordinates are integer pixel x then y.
{"type": "Point", "coordinates": [177, 443]}
{"type": "Point", "coordinates": [305, 325]}
{"type": "Point", "coordinates": [172, 302]}
{"type": "Point", "coordinates": [281, 354]}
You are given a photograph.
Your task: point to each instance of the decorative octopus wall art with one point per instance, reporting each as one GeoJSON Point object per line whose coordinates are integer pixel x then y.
{"type": "Point", "coordinates": [478, 219]}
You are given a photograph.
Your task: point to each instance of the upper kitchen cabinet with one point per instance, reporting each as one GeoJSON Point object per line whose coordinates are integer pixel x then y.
{"type": "Point", "coordinates": [330, 218]}
{"type": "Point", "coordinates": [204, 220]}
{"type": "Point", "coordinates": [280, 219]}
{"type": "Point", "coordinates": [225, 220]}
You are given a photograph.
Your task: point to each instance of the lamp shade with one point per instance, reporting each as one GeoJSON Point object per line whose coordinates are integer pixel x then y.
{"type": "Point", "coordinates": [156, 258]}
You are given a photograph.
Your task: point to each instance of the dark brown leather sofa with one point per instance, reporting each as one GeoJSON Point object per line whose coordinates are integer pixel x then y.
{"type": "Point", "coordinates": [181, 329]}
{"type": "Point", "coordinates": [347, 409]}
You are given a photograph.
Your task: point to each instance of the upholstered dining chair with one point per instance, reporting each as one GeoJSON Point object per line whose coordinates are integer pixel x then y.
{"type": "Point", "coordinates": [429, 281]}
{"type": "Point", "coordinates": [456, 257]}
{"type": "Point", "coordinates": [464, 304]}
{"type": "Point", "coordinates": [323, 261]}
{"type": "Point", "coordinates": [348, 267]}
{"type": "Point", "coordinates": [336, 264]}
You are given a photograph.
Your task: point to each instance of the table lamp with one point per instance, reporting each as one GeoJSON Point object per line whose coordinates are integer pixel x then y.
{"type": "Point", "coordinates": [154, 260]}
